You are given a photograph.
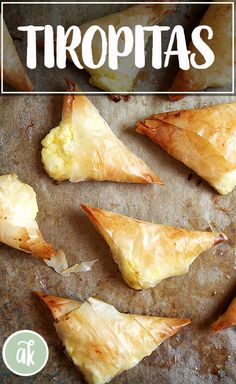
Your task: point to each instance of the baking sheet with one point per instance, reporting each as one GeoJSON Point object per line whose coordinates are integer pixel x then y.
{"type": "Point", "coordinates": [193, 356]}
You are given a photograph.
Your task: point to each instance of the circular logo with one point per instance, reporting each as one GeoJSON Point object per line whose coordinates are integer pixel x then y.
{"type": "Point", "coordinates": [25, 353]}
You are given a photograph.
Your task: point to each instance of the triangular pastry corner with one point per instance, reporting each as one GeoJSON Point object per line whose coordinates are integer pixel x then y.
{"type": "Point", "coordinates": [227, 320]}
{"type": "Point", "coordinates": [14, 74]}
{"type": "Point", "coordinates": [58, 306]}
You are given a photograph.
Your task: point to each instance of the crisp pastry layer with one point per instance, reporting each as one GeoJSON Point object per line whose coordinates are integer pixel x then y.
{"type": "Point", "coordinates": [148, 253]}
{"type": "Point", "coordinates": [103, 342]}
{"type": "Point", "coordinates": [83, 147]}
{"type": "Point", "coordinates": [203, 139]}
{"type": "Point", "coordinates": [14, 74]}
{"type": "Point", "coordinates": [228, 319]}
{"type": "Point", "coordinates": [124, 78]}
{"type": "Point", "coordinates": [18, 210]}
{"type": "Point", "coordinates": [219, 74]}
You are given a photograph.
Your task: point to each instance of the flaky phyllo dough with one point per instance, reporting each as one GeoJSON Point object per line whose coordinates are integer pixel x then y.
{"type": "Point", "coordinates": [18, 210]}
{"type": "Point", "coordinates": [14, 74]}
{"type": "Point", "coordinates": [148, 253]}
{"type": "Point", "coordinates": [203, 139]}
{"type": "Point", "coordinates": [83, 147]}
{"type": "Point", "coordinates": [219, 74]}
{"type": "Point", "coordinates": [124, 78]}
{"type": "Point", "coordinates": [103, 342]}
{"type": "Point", "coordinates": [228, 319]}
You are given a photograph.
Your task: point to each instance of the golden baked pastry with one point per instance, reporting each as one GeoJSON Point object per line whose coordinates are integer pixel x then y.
{"type": "Point", "coordinates": [83, 147]}
{"type": "Point", "coordinates": [203, 139]}
{"type": "Point", "coordinates": [103, 342]}
{"type": "Point", "coordinates": [148, 253]}
{"type": "Point", "coordinates": [219, 74]}
{"type": "Point", "coordinates": [228, 319]}
{"type": "Point", "coordinates": [14, 74]}
{"type": "Point", "coordinates": [124, 78]}
{"type": "Point", "coordinates": [18, 210]}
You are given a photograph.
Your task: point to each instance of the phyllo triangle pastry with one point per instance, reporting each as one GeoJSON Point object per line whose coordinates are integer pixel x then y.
{"type": "Point", "coordinates": [14, 74]}
{"type": "Point", "coordinates": [203, 139]}
{"type": "Point", "coordinates": [148, 253]}
{"type": "Point", "coordinates": [228, 319]}
{"type": "Point", "coordinates": [103, 342]}
{"type": "Point", "coordinates": [83, 147]}
{"type": "Point", "coordinates": [219, 74]}
{"type": "Point", "coordinates": [124, 78]}
{"type": "Point", "coordinates": [18, 210]}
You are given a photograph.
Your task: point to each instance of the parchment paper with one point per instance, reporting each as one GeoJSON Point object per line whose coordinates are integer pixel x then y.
{"type": "Point", "coordinates": [194, 355]}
